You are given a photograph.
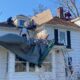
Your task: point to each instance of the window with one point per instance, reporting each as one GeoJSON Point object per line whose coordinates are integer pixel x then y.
{"type": "Point", "coordinates": [23, 66]}
{"type": "Point", "coordinates": [21, 23]}
{"type": "Point", "coordinates": [62, 37]}
{"type": "Point", "coordinates": [20, 65]}
{"type": "Point", "coordinates": [47, 64]}
{"type": "Point", "coordinates": [31, 67]}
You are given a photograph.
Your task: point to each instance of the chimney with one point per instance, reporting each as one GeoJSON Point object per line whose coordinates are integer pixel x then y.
{"type": "Point", "coordinates": [60, 12]}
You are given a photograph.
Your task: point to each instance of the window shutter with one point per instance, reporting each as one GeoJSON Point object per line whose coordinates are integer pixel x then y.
{"type": "Point", "coordinates": [56, 36]}
{"type": "Point", "coordinates": [68, 39]}
{"type": "Point", "coordinates": [69, 60]}
{"type": "Point", "coordinates": [70, 64]}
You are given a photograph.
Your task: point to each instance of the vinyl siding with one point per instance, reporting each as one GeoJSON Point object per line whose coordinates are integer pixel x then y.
{"type": "Point", "coordinates": [75, 53]}
{"type": "Point", "coordinates": [3, 64]}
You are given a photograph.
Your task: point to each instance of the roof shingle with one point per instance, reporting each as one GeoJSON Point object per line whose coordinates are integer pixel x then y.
{"type": "Point", "coordinates": [64, 22]}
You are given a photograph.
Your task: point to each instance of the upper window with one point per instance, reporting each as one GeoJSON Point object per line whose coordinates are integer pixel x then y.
{"type": "Point", "coordinates": [62, 37]}
{"type": "Point", "coordinates": [21, 23]}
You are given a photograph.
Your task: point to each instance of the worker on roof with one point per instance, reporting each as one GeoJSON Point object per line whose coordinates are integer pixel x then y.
{"type": "Point", "coordinates": [25, 33]}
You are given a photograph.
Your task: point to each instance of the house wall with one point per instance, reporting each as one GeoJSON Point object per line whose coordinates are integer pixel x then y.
{"type": "Point", "coordinates": [75, 53]}
{"type": "Point", "coordinates": [50, 31]}
{"type": "Point", "coordinates": [3, 64]}
{"type": "Point", "coordinates": [24, 75]}
{"type": "Point", "coordinates": [4, 57]}
{"type": "Point", "coordinates": [58, 68]}
{"type": "Point", "coordinates": [58, 71]}
{"type": "Point", "coordinates": [75, 44]}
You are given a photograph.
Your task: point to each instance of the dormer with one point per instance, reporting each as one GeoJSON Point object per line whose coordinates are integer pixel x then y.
{"type": "Point", "coordinates": [19, 20]}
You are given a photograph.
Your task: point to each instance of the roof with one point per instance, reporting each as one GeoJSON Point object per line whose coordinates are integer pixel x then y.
{"type": "Point", "coordinates": [58, 21]}
{"type": "Point", "coordinates": [53, 21]}
{"type": "Point", "coordinates": [5, 24]}
{"type": "Point", "coordinates": [76, 19]}
{"type": "Point", "coordinates": [40, 18]}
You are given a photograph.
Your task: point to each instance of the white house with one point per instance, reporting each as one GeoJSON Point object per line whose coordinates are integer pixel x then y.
{"type": "Point", "coordinates": [61, 62]}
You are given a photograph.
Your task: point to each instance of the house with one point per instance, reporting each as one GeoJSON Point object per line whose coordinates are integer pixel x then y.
{"type": "Point", "coordinates": [60, 63]}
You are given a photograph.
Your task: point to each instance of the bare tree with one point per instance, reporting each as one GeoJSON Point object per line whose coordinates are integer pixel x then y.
{"type": "Point", "coordinates": [71, 5]}
{"type": "Point", "coordinates": [39, 9]}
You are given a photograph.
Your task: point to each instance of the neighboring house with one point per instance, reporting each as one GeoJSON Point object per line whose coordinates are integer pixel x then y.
{"type": "Point", "coordinates": [60, 62]}
{"type": "Point", "coordinates": [76, 21]}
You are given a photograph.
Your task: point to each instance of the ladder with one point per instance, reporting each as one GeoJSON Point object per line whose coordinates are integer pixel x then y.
{"type": "Point", "coordinates": [66, 55]}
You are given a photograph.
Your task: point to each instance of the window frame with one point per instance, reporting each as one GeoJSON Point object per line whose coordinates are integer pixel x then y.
{"type": "Point", "coordinates": [26, 67]}
{"type": "Point", "coordinates": [19, 22]}
{"type": "Point", "coordinates": [19, 62]}
{"type": "Point", "coordinates": [61, 30]}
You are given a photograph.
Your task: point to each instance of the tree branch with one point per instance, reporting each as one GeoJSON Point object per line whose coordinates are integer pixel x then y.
{"type": "Point", "coordinates": [75, 7]}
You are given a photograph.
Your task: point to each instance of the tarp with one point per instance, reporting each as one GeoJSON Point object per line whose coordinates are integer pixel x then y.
{"type": "Point", "coordinates": [33, 52]}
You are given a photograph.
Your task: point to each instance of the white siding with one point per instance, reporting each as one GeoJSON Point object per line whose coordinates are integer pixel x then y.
{"type": "Point", "coordinates": [50, 31]}
{"type": "Point", "coordinates": [3, 64]}
{"type": "Point", "coordinates": [3, 57]}
{"type": "Point", "coordinates": [75, 53]}
{"type": "Point", "coordinates": [60, 67]}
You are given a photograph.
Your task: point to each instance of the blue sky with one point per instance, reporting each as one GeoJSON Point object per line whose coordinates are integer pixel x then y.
{"type": "Point", "coordinates": [14, 7]}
